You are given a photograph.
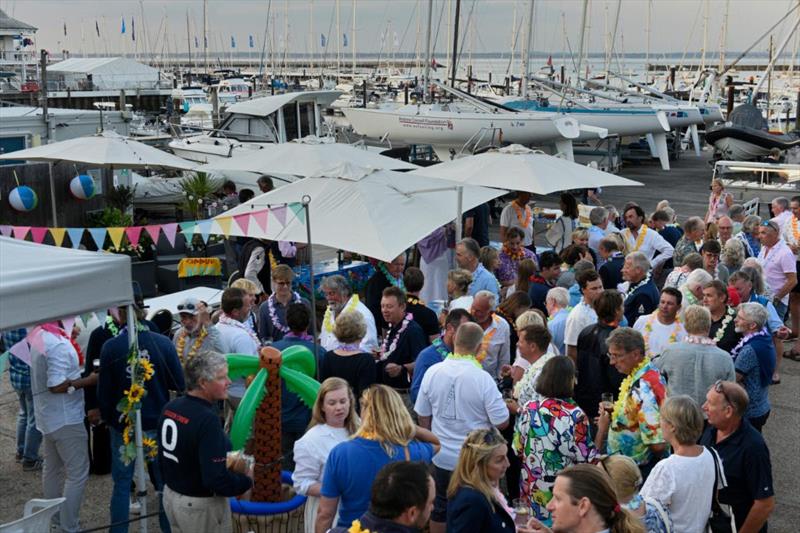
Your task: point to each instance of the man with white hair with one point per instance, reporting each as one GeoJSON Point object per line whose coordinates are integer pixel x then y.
{"type": "Point", "coordinates": [341, 298]}
{"type": "Point", "coordinates": [693, 365]}
{"type": "Point", "coordinates": [780, 211]}
{"type": "Point", "coordinates": [495, 350]}
{"type": "Point", "coordinates": [778, 262]}
{"type": "Point", "coordinates": [754, 359]}
{"type": "Point", "coordinates": [599, 219]}
{"type": "Point", "coordinates": [468, 258]}
{"type": "Point", "coordinates": [641, 293]}
{"type": "Point", "coordinates": [558, 309]}
{"type": "Point", "coordinates": [693, 288]}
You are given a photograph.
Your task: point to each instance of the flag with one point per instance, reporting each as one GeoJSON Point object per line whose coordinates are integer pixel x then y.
{"type": "Point", "coordinates": [233, 42]}
{"type": "Point", "coordinates": [97, 28]}
{"type": "Point", "coordinates": [123, 25]}
{"type": "Point", "coordinates": [65, 29]}
{"type": "Point", "coordinates": [133, 29]}
{"type": "Point", "coordinates": [549, 61]}
{"type": "Point", "coordinates": [322, 40]}
{"type": "Point", "coordinates": [252, 43]}
{"type": "Point", "coordinates": [196, 42]}
{"type": "Point", "coordinates": [344, 36]}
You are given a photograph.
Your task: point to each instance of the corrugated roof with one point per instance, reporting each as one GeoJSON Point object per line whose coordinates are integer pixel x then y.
{"type": "Point", "coordinates": [7, 23]}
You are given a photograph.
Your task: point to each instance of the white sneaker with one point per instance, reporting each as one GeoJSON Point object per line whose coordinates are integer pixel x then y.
{"type": "Point", "coordinates": [135, 507]}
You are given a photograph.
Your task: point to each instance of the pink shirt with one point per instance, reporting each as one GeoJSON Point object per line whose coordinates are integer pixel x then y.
{"type": "Point", "coordinates": [777, 262]}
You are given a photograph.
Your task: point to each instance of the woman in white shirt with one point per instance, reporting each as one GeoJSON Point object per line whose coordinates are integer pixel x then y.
{"type": "Point", "coordinates": [683, 482]}
{"type": "Point", "coordinates": [333, 420]}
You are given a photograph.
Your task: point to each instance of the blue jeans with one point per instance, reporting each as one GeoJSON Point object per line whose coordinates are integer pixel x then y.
{"type": "Point", "coordinates": [28, 437]}
{"type": "Point", "coordinates": [122, 475]}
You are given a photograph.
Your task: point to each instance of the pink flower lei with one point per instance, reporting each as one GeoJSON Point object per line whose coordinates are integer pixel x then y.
{"type": "Point", "coordinates": [387, 351]}
{"type": "Point", "coordinates": [273, 313]}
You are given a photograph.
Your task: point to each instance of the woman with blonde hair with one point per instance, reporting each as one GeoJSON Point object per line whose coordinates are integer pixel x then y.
{"type": "Point", "coordinates": [387, 434]}
{"type": "Point", "coordinates": [251, 292]}
{"type": "Point", "coordinates": [719, 201]}
{"type": "Point", "coordinates": [627, 480]}
{"type": "Point", "coordinates": [333, 420]}
{"type": "Point", "coordinates": [733, 255]}
{"type": "Point", "coordinates": [474, 501]}
{"type": "Point", "coordinates": [458, 282]}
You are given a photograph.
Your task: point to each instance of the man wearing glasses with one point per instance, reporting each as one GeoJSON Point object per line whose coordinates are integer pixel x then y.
{"type": "Point", "coordinates": [196, 333]}
{"type": "Point", "coordinates": [744, 454]}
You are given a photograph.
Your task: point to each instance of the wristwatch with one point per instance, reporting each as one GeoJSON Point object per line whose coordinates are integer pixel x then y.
{"type": "Point", "coordinates": [71, 388]}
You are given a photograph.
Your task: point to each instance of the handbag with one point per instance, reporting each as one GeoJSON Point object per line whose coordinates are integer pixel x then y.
{"type": "Point", "coordinates": [720, 520]}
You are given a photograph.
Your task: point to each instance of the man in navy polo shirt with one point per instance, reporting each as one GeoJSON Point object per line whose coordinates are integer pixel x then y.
{"type": "Point", "coordinates": [744, 454]}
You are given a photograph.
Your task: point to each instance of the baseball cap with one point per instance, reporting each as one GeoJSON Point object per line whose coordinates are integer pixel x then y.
{"type": "Point", "coordinates": [190, 306]}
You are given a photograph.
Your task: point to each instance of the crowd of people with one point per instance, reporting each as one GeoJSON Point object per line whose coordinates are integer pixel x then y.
{"type": "Point", "coordinates": [616, 380]}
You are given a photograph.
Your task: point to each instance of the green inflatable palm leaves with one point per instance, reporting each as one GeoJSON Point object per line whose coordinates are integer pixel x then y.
{"type": "Point", "coordinates": [298, 367]}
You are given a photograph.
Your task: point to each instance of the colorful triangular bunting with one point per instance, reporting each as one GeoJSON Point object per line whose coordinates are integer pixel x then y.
{"type": "Point", "coordinates": [224, 224]}
{"type": "Point", "coordinates": [280, 214]}
{"type": "Point", "coordinates": [134, 233]}
{"type": "Point", "coordinates": [58, 235]}
{"type": "Point", "coordinates": [116, 236]}
{"type": "Point", "coordinates": [299, 211]}
{"type": "Point", "coordinates": [5, 230]}
{"type": "Point", "coordinates": [152, 230]}
{"type": "Point", "coordinates": [243, 221]}
{"type": "Point", "coordinates": [20, 232]}
{"type": "Point", "coordinates": [169, 232]}
{"type": "Point", "coordinates": [260, 218]}
{"type": "Point", "coordinates": [21, 351]}
{"type": "Point", "coordinates": [37, 234]}
{"type": "Point", "coordinates": [75, 236]}
{"type": "Point", "coordinates": [99, 236]}
{"type": "Point", "coordinates": [188, 229]}
{"type": "Point", "coordinates": [204, 227]}
{"type": "Point", "coordinates": [68, 323]}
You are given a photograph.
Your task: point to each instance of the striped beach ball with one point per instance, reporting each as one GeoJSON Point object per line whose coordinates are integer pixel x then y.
{"type": "Point", "coordinates": [82, 187]}
{"type": "Point", "coordinates": [23, 198]}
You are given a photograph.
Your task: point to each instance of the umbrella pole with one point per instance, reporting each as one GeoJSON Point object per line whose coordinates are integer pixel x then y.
{"type": "Point", "coordinates": [53, 195]}
{"type": "Point", "coordinates": [141, 481]}
{"type": "Point", "coordinates": [306, 208]}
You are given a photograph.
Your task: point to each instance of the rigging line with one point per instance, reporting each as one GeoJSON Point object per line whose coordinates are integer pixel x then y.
{"type": "Point", "coordinates": [697, 17]}
{"type": "Point", "coordinates": [264, 44]}
{"type": "Point", "coordinates": [328, 40]}
{"type": "Point", "coordinates": [436, 36]}
{"type": "Point", "coordinates": [516, 40]}
{"type": "Point", "coordinates": [466, 31]}
{"type": "Point", "coordinates": [408, 26]}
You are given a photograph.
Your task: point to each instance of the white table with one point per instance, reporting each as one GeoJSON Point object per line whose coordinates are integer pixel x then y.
{"type": "Point", "coordinates": [170, 301]}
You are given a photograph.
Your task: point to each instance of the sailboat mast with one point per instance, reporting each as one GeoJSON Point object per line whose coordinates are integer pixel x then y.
{"type": "Point", "coordinates": [705, 38]}
{"type": "Point", "coordinates": [580, 42]}
{"type": "Point", "coordinates": [427, 77]}
{"type": "Point", "coordinates": [338, 41]}
{"type": "Point", "coordinates": [312, 42]}
{"type": "Point", "coordinates": [723, 36]}
{"type": "Point", "coordinates": [526, 59]}
{"type": "Point", "coordinates": [353, 40]}
{"type": "Point", "coordinates": [205, 35]}
{"type": "Point", "coordinates": [188, 41]}
{"type": "Point", "coordinates": [455, 45]}
{"type": "Point", "coordinates": [647, 50]}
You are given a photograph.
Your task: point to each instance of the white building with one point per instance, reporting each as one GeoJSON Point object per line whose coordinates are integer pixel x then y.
{"type": "Point", "coordinates": [101, 74]}
{"type": "Point", "coordinates": [17, 52]}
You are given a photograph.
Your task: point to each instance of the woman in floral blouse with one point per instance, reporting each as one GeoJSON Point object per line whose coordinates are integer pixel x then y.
{"type": "Point", "coordinates": [552, 433]}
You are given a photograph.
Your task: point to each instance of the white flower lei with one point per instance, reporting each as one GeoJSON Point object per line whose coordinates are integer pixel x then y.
{"type": "Point", "coordinates": [386, 351]}
{"type": "Point", "coordinates": [729, 315]}
{"type": "Point", "coordinates": [273, 313]}
{"type": "Point", "coordinates": [632, 289]}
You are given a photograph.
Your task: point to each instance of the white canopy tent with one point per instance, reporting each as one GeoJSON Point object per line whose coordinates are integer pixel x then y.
{"type": "Point", "coordinates": [39, 283]}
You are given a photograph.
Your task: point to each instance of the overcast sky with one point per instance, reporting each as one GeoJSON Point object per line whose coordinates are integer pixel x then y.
{"type": "Point", "coordinates": [676, 24]}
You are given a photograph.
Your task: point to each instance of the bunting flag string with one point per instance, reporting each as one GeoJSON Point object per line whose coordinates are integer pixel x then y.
{"type": "Point", "coordinates": [203, 228]}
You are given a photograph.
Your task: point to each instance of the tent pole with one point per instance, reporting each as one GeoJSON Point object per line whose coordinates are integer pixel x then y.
{"type": "Point", "coordinates": [306, 201]}
{"type": "Point", "coordinates": [53, 195]}
{"type": "Point", "coordinates": [141, 480]}
{"type": "Point", "coordinates": [459, 214]}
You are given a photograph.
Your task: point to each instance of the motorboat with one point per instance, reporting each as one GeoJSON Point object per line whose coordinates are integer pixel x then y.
{"type": "Point", "coordinates": [745, 136]}
{"type": "Point", "coordinates": [258, 123]}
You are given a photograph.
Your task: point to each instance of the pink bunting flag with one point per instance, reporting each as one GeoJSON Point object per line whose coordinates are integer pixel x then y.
{"type": "Point", "coordinates": [5, 230]}
{"type": "Point", "coordinates": [261, 219]}
{"type": "Point", "coordinates": [38, 234]}
{"type": "Point", "coordinates": [22, 351]}
{"type": "Point", "coordinates": [280, 214]}
{"type": "Point", "coordinates": [20, 232]}
{"type": "Point", "coordinates": [243, 221]}
{"type": "Point", "coordinates": [114, 311]}
{"type": "Point", "coordinates": [133, 233]}
{"type": "Point", "coordinates": [153, 230]}
{"type": "Point", "coordinates": [36, 341]}
{"type": "Point", "coordinates": [169, 232]}
{"type": "Point", "coordinates": [68, 323]}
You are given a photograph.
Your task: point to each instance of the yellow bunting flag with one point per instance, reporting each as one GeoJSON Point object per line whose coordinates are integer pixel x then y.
{"type": "Point", "coordinates": [58, 235]}
{"type": "Point", "coordinates": [224, 224]}
{"type": "Point", "coordinates": [116, 236]}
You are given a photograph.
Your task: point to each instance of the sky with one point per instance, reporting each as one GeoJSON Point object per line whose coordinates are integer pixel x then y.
{"type": "Point", "coordinates": [391, 25]}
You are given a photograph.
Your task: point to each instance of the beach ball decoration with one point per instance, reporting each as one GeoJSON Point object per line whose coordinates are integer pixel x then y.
{"type": "Point", "coordinates": [82, 187]}
{"type": "Point", "coordinates": [23, 198]}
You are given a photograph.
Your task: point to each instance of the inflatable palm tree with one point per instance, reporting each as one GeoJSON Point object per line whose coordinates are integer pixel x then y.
{"type": "Point", "coordinates": [259, 412]}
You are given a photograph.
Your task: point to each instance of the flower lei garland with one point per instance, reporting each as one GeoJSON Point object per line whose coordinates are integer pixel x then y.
{"type": "Point", "coordinates": [528, 214]}
{"type": "Point", "coordinates": [795, 231]}
{"type": "Point", "coordinates": [181, 344]}
{"type": "Point", "coordinates": [642, 283]}
{"type": "Point", "coordinates": [413, 300]}
{"type": "Point", "coordinates": [625, 389]}
{"type": "Point", "coordinates": [729, 315]}
{"type": "Point", "coordinates": [113, 328]}
{"type": "Point", "coordinates": [736, 349]}
{"type": "Point", "coordinates": [648, 329]}
{"type": "Point", "coordinates": [639, 239]}
{"type": "Point", "coordinates": [441, 349]}
{"type": "Point", "coordinates": [228, 321]}
{"type": "Point", "coordinates": [302, 336]}
{"type": "Point", "coordinates": [519, 255]}
{"type": "Point", "coordinates": [355, 527]}
{"type": "Point", "coordinates": [273, 313]}
{"type": "Point", "coordinates": [465, 357]}
{"type": "Point", "coordinates": [397, 282]}
{"type": "Point", "coordinates": [487, 340]}
{"type": "Point", "coordinates": [386, 351]}
{"type": "Point", "coordinates": [328, 320]}
{"type": "Point", "coordinates": [141, 371]}
{"type": "Point", "coordinates": [699, 339]}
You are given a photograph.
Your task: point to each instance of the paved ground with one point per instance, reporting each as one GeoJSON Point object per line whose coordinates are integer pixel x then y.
{"type": "Point", "coordinates": [686, 186]}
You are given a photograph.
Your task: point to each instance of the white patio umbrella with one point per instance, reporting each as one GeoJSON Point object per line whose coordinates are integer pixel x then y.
{"type": "Point", "coordinates": [378, 213]}
{"type": "Point", "coordinates": [106, 149]}
{"type": "Point", "coordinates": [521, 169]}
{"type": "Point", "coordinates": [286, 160]}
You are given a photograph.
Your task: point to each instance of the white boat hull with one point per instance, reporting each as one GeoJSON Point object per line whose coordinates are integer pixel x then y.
{"type": "Point", "coordinates": [739, 150]}
{"type": "Point", "coordinates": [453, 130]}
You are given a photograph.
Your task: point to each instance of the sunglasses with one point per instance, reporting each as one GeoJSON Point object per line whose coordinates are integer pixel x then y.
{"type": "Point", "coordinates": [719, 387]}
{"type": "Point", "coordinates": [187, 307]}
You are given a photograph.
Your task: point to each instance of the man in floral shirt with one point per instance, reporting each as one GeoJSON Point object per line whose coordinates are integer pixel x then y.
{"type": "Point", "coordinates": [633, 427]}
